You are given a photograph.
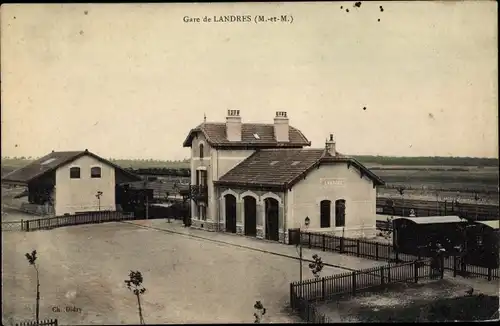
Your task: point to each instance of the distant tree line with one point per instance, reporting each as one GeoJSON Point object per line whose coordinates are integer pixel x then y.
{"type": "Point", "coordinates": [428, 160]}
{"type": "Point", "coordinates": [383, 160]}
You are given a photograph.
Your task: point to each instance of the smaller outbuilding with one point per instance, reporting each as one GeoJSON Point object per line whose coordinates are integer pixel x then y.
{"type": "Point", "coordinates": [70, 182]}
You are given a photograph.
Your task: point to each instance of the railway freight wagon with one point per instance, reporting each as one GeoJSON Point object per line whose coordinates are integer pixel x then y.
{"type": "Point", "coordinates": [418, 236]}
{"type": "Point", "coordinates": [482, 246]}
{"type": "Point", "coordinates": [476, 242]}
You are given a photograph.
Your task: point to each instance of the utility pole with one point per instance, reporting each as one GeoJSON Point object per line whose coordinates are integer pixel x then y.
{"type": "Point", "coordinates": [145, 190]}
{"type": "Point", "coordinates": [401, 192]}
{"type": "Point", "coordinates": [37, 297]}
{"type": "Point", "coordinates": [437, 203]}
{"type": "Point", "coordinates": [476, 198]}
{"type": "Point", "coordinates": [301, 257]}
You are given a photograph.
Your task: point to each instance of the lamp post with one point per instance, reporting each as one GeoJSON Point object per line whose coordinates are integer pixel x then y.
{"type": "Point", "coordinates": [98, 196]}
{"type": "Point", "coordinates": [307, 221]}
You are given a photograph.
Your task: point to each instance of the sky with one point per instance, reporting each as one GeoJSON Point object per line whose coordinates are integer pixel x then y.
{"type": "Point", "coordinates": [130, 80]}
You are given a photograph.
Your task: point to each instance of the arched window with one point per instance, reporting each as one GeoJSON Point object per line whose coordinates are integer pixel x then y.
{"type": "Point", "coordinates": [340, 212]}
{"type": "Point", "coordinates": [201, 151]}
{"type": "Point", "coordinates": [324, 212]}
{"type": "Point", "coordinates": [74, 172]}
{"type": "Point", "coordinates": [95, 172]}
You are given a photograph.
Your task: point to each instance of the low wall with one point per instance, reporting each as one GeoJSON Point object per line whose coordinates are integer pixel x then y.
{"type": "Point", "coordinates": [40, 210]}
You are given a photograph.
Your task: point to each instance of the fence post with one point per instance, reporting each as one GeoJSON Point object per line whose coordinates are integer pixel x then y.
{"type": "Point", "coordinates": [309, 240]}
{"type": "Point", "coordinates": [415, 267]}
{"type": "Point", "coordinates": [22, 225]}
{"type": "Point", "coordinates": [38, 224]}
{"type": "Point", "coordinates": [323, 288]}
{"type": "Point", "coordinates": [291, 296]}
{"type": "Point", "coordinates": [382, 280]}
{"type": "Point", "coordinates": [357, 247]}
{"type": "Point", "coordinates": [389, 274]}
{"type": "Point", "coordinates": [489, 273]}
{"type": "Point", "coordinates": [376, 250]}
{"type": "Point", "coordinates": [323, 240]}
{"type": "Point", "coordinates": [353, 283]}
{"type": "Point", "coordinates": [454, 266]}
{"type": "Point", "coordinates": [441, 260]}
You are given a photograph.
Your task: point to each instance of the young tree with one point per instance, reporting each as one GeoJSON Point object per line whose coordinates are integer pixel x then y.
{"type": "Point", "coordinates": [259, 313]}
{"type": "Point", "coordinates": [167, 194]}
{"type": "Point", "coordinates": [32, 261]}
{"type": "Point", "coordinates": [317, 266]}
{"type": "Point", "coordinates": [134, 284]}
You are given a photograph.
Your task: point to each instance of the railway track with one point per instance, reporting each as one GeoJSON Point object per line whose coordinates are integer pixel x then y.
{"type": "Point", "coordinates": [394, 206]}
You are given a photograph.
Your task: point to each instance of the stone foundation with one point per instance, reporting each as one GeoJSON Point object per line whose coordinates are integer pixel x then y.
{"type": "Point", "coordinates": [282, 236]}
{"type": "Point", "coordinates": [203, 225]}
{"type": "Point", "coordinates": [40, 210]}
{"type": "Point", "coordinates": [260, 232]}
{"type": "Point", "coordinates": [352, 233]}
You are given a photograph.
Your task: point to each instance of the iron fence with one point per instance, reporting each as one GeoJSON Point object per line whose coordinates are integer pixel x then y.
{"type": "Point", "coordinates": [47, 322]}
{"type": "Point", "coordinates": [304, 293]}
{"type": "Point", "coordinates": [384, 252]}
{"type": "Point", "coordinates": [67, 220]}
{"type": "Point", "coordinates": [12, 226]}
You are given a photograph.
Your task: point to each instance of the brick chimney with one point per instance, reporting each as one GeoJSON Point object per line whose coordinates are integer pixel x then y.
{"type": "Point", "coordinates": [281, 129]}
{"type": "Point", "coordinates": [233, 125]}
{"type": "Point", "coordinates": [330, 146]}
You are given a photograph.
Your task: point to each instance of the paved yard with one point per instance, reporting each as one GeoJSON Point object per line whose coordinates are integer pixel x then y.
{"type": "Point", "coordinates": [189, 280]}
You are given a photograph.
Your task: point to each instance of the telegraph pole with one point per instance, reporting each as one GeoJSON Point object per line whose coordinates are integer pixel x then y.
{"type": "Point", "coordinates": [301, 257]}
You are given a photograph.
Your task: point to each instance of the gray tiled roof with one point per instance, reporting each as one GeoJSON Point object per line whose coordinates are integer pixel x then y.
{"type": "Point", "coordinates": [285, 167]}
{"type": "Point", "coordinates": [215, 133]}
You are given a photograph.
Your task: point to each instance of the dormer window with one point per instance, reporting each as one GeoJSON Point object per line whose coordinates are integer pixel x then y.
{"type": "Point", "coordinates": [74, 172]}
{"type": "Point", "coordinates": [201, 151]}
{"type": "Point", "coordinates": [95, 172]}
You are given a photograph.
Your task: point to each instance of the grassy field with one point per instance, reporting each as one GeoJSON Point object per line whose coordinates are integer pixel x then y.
{"type": "Point", "coordinates": [436, 301]}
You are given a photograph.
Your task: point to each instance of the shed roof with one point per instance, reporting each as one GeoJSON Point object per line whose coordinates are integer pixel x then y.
{"type": "Point", "coordinates": [215, 133]}
{"type": "Point", "coordinates": [433, 219]}
{"type": "Point", "coordinates": [52, 162]}
{"type": "Point", "coordinates": [492, 224]}
{"type": "Point", "coordinates": [161, 187]}
{"type": "Point", "coordinates": [284, 167]}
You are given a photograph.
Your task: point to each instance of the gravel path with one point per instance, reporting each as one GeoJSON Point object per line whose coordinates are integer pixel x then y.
{"type": "Point", "coordinates": [188, 280]}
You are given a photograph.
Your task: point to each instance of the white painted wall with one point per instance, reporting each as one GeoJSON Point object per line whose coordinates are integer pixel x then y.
{"type": "Point", "coordinates": [217, 163]}
{"type": "Point", "coordinates": [77, 195]}
{"type": "Point", "coordinates": [332, 182]}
